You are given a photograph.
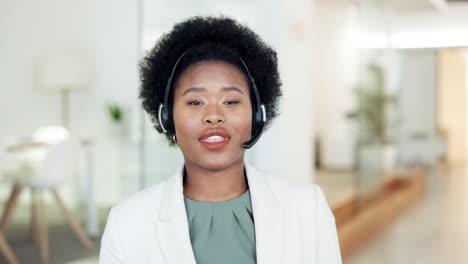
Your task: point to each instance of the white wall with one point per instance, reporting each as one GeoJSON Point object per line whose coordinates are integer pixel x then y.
{"type": "Point", "coordinates": [107, 31]}
{"type": "Point", "coordinates": [430, 28]}
{"type": "Point", "coordinates": [335, 71]}
{"type": "Point", "coordinates": [297, 68]}
{"type": "Point", "coordinates": [30, 30]}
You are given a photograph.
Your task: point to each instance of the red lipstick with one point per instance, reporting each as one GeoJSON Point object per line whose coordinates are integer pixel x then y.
{"type": "Point", "coordinates": [215, 139]}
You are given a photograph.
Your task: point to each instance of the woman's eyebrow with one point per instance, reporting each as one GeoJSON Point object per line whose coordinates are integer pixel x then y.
{"type": "Point", "coordinates": [201, 89]}
{"type": "Point", "coordinates": [232, 89]}
{"type": "Point", "coordinates": [194, 89]}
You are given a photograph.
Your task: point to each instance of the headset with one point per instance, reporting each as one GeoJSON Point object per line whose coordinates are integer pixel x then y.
{"type": "Point", "coordinates": [258, 108]}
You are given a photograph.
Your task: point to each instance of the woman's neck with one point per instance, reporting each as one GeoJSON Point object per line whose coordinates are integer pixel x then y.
{"type": "Point", "coordinates": [205, 185]}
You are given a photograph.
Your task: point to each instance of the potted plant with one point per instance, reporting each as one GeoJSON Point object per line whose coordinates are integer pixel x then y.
{"type": "Point", "coordinates": [118, 125]}
{"type": "Point", "coordinates": [375, 147]}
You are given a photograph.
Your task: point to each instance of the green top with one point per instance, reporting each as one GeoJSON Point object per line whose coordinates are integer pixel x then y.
{"type": "Point", "coordinates": [222, 232]}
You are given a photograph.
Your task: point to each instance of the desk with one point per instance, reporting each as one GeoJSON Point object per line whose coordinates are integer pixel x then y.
{"type": "Point", "coordinates": [26, 146]}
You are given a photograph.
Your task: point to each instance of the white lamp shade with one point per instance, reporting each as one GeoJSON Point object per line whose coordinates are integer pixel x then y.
{"type": "Point", "coordinates": [64, 72]}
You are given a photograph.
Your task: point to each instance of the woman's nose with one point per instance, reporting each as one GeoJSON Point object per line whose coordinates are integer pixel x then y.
{"type": "Point", "coordinates": [214, 115]}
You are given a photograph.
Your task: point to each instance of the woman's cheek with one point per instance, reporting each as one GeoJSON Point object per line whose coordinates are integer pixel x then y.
{"type": "Point", "coordinates": [188, 126]}
{"type": "Point", "coordinates": [244, 124]}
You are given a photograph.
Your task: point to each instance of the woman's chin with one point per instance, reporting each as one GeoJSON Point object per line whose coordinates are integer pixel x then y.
{"type": "Point", "coordinates": [216, 163]}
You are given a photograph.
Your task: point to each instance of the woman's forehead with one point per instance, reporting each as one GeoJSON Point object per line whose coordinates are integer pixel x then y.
{"type": "Point", "coordinates": [213, 75]}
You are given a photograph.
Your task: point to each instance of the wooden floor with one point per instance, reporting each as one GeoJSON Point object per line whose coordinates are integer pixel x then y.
{"type": "Point", "coordinates": [357, 220]}
{"type": "Point", "coordinates": [432, 231]}
{"type": "Point", "coordinates": [64, 246]}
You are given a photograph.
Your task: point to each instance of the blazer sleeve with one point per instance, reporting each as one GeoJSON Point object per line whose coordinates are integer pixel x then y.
{"type": "Point", "coordinates": [328, 251]}
{"type": "Point", "coordinates": [111, 251]}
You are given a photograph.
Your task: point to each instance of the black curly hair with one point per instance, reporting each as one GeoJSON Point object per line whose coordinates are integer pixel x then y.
{"type": "Point", "coordinates": [208, 39]}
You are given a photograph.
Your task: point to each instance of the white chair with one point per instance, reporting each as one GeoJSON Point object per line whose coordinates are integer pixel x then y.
{"type": "Point", "coordinates": [57, 166]}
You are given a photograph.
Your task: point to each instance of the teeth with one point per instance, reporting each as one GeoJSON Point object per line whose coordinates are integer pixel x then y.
{"type": "Point", "coordinates": [214, 139]}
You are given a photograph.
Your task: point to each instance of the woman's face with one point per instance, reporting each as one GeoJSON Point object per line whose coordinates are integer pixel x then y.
{"type": "Point", "coordinates": [212, 114]}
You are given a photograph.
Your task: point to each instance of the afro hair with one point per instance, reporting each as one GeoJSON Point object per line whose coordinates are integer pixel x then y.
{"type": "Point", "coordinates": [208, 38]}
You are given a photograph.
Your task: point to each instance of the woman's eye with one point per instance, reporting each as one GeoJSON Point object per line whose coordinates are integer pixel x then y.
{"type": "Point", "coordinates": [231, 102]}
{"type": "Point", "coordinates": [194, 103]}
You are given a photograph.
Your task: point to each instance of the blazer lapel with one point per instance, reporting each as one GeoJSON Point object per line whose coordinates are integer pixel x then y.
{"type": "Point", "coordinates": [171, 224]}
{"type": "Point", "coordinates": [172, 229]}
{"type": "Point", "coordinates": [268, 217]}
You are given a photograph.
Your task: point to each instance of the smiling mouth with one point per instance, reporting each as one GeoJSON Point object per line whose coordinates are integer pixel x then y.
{"type": "Point", "coordinates": [215, 142]}
{"type": "Point", "coordinates": [215, 139]}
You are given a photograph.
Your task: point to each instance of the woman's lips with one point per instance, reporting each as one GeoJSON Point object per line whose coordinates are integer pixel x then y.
{"type": "Point", "coordinates": [214, 139]}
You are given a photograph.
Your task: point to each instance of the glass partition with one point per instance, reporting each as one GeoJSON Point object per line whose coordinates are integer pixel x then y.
{"type": "Point", "coordinates": [377, 97]}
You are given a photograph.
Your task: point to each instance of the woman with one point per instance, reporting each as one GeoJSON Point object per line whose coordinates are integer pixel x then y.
{"type": "Point", "coordinates": [211, 85]}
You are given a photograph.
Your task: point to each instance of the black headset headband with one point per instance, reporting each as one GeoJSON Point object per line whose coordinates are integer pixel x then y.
{"type": "Point", "coordinates": [259, 115]}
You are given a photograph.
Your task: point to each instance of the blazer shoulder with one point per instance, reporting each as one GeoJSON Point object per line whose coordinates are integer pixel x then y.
{"type": "Point", "coordinates": [140, 203]}
{"type": "Point", "coordinates": [293, 191]}
{"type": "Point", "coordinates": [127, 235]}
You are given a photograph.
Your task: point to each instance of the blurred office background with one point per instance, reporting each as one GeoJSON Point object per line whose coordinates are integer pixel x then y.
{"type": "Point", "coordinates": [374, 111]}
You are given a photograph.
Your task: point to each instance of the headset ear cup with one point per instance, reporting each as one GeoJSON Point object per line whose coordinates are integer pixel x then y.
{"type": "Point", "coordinates": [257, 122]}
{"type": "Point", "coordinates": [260, 118]}
{"type": "Point", "coordinates": [263, 113]}
{"type": "Point", "coordinates": [258, 126]}
{"type": "Point", "coordinates": [163, 117]}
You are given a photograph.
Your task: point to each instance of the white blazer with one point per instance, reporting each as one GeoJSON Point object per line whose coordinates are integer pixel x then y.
{"type": "Point", "coordinates": [293, 224]}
